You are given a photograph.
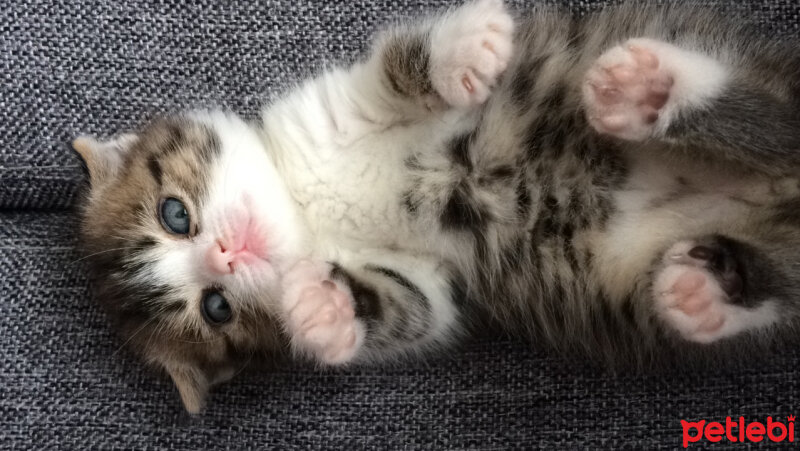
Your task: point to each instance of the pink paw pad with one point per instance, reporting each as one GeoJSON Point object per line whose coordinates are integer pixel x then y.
{"type": "Point", "coordinates": [626, 90]}
{"type": "Point", "coordinates": [690, 295]}
{"type": "Point", "coordinates": [319, 314]}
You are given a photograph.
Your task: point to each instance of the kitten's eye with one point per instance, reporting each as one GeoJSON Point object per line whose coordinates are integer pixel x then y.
{"type": "Point", "coordinates": [215, 308]}
{"type": "Point", "coordinates": [174, 216]}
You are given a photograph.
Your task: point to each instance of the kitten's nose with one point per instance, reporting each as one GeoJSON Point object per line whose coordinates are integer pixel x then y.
{"type": "Point", "coordinates": [219, 259]}
{"type": "Point", "coordinates": [225, 255]}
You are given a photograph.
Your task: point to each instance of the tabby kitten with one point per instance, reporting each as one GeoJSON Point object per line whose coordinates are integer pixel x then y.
{"type": "Point", "coordinates": [622, 183]}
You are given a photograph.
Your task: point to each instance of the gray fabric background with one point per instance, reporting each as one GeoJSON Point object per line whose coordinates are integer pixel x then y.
{"type": "Point", "coordinates": [78, 66]}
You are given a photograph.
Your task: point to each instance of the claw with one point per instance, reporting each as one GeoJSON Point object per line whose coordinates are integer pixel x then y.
{"type": "Point", "coordinates": [644, 57]}
{"type": "Point", "coordinates": [467, 84]}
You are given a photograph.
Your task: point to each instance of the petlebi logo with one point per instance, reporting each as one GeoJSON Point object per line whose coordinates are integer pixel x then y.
{"type": "Point", "coordinates": [738, 431]}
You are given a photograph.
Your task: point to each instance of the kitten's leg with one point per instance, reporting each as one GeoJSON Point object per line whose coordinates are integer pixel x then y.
{"type": "Point", "coordinates": [700, 292]}
{"type": "Point", "coordinates": [415, 72]}
{"type": "Point", "coordinates": [647, 89]}
{"type": "Point", "coordinates": [337, 314]}
{"type": "Point", "coordinates": [451, 60]}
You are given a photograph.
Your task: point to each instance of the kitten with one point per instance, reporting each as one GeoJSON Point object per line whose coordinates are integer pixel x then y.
{"type": "Point", "coordinates": [622, 184]}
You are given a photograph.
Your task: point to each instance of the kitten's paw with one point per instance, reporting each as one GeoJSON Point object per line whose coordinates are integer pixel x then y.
{"type": "Point", "coordinates": [699, 293]}
{"type": "Point", "coordinates": [626, 89]}
{"type": "Point", "coordinates": [470, 48]}
{"type": "Point", "coordinates": [319, 314]}
{"type": "Point", "coordinates": [633, 90]}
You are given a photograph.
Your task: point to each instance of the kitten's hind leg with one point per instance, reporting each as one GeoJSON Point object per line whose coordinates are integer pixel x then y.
{"type": "Point", "coordinates": [651, 90]}
{"type": "Point", "coordinates": [700, 292]}
{"type": "Point", "coordinates": [635, 90]}
{"type": "Point", "coordinates": [356, 311]}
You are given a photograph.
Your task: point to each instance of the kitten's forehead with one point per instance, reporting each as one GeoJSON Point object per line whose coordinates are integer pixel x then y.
{"type": "Point", "coordinates": [177, 154]}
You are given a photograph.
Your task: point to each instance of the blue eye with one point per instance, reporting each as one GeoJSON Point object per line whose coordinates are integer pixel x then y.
{"type": "Point", "coordinates": [216, 309]}
{"type": "Point", "coordinates": [174, 216]}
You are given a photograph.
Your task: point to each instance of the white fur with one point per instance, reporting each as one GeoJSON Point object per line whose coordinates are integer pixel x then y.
{"type": "Point", "coordinates": [698, 78]}
{"type": "Point", "coordinates": [256, 188]}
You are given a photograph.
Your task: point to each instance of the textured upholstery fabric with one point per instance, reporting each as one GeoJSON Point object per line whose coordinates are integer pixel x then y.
{"type": "Point", "coordinates": [81, 66]}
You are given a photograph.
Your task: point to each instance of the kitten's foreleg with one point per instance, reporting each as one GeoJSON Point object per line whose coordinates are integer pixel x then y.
{"type": "Point", "coordinates": [651, 90]}
{"type": "Point", "coordinates": [452, 60]}
{"type": "Point", "coordinates": [365, 311]}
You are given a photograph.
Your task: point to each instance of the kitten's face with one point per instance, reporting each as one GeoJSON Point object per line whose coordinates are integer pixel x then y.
{"type": "Point", "coordinates": [188, 227]}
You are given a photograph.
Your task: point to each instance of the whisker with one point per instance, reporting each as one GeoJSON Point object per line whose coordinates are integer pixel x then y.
{"type": "Point", "coordinates": [157, 331]}
{"type": "Point", "coordinates": [129, 248]}
{"type": "Point", "coordinates": [138, 331]}
{"type": "Point", "coordinates": [124, 238]}
{"type": "Point", "coordinates": [245, 364]}
{"type": "Point", "coordinates": [196, 341]}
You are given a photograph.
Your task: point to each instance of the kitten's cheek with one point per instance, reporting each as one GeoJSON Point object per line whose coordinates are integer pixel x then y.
{"type": "Point", "coordinates": [256, 279]}
{"type": "Point", "coordinates": [269, 276]}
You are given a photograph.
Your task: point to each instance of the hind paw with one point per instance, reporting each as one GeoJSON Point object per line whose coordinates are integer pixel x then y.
{"type": "Point", "coordinates": [625, 91]}
{"type": "Point", "coordinates": [633, 90]}
{"type": "Point", "coordinates": [699, 291]}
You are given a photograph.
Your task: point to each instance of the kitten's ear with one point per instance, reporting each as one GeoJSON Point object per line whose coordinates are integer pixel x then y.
{"type": "Point", "coordinates": [103, 158]}
{"type": "Point", "coordinates": [192, 385]}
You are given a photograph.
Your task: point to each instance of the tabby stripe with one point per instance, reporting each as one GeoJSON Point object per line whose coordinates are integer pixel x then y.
{"type": "Point", "coordinates": [366, 298]}
{"type": "Point", "coordinates": [402, 281]}
{"type": "Point", "coordinates": [155, 170]}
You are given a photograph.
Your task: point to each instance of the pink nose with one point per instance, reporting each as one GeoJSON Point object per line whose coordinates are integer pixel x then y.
{"type": "Point", "coordinates": [220, 260]}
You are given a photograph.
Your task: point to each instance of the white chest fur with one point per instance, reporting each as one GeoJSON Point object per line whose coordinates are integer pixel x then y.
{"type": "Point", "coordinates": [345, 166]}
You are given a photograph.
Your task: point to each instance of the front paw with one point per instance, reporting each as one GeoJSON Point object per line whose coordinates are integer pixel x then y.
{"type": "Point", "coordinates": [319, 315]}
{"type": "Point", "coordinates": [471, 47]}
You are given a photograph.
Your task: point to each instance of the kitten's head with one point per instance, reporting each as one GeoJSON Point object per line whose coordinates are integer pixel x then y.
{"type": "Point", "coordinates": [187, 227]}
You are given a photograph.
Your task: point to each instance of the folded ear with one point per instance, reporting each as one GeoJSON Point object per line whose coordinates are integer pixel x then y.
{"type": "Point", "coordinates": [192, 385]}
{"type": "Point", "coordinates": [103, 158]}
